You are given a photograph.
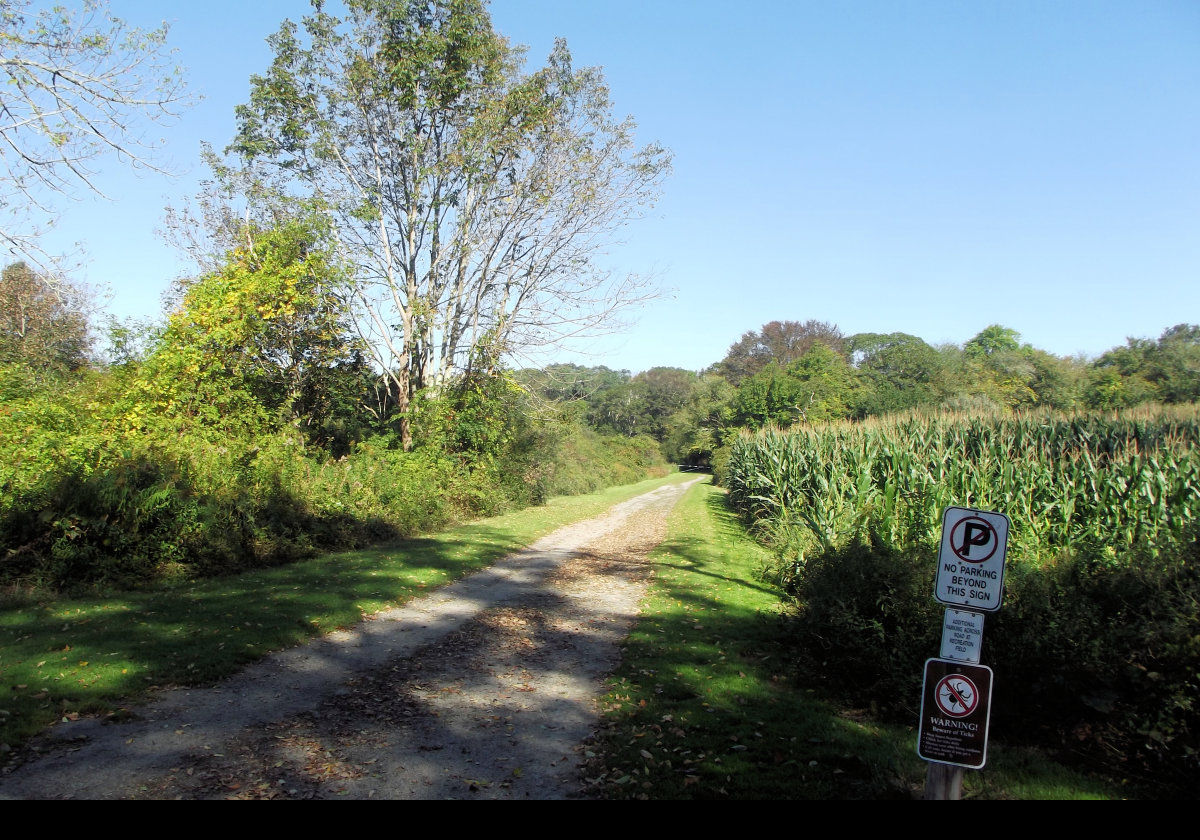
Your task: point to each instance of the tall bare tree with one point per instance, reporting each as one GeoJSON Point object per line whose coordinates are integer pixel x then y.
{"type": "Point", "coordinates": [78, 85]}
{"type": "Point", "coordinates": [471, 197]}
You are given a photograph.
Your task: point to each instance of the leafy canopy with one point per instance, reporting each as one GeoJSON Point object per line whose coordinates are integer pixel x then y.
{"type": "Point", "coordinates": [468, 196]}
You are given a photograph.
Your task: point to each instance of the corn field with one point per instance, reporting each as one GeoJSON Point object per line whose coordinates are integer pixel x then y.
{"type": "Point", "coordinates": [1111, 481]}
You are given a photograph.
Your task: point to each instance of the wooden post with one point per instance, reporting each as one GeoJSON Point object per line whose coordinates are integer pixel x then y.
{"type": "Point", "coordinates": [943, 781]}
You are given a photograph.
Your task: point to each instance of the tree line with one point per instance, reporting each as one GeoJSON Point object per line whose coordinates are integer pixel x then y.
{"type": "Point", "coordinates": [790, 372]}
{"type": "Point", "coordinates": [403, 206]}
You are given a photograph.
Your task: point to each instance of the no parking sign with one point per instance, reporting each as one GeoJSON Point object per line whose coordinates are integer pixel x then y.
{"type": "Point", "coordinates": [971, 559]}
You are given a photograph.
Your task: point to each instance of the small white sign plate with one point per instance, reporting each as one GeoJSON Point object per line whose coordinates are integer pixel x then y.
{"type": "Point", "coordinates": [962, 636]}
{"type": "Point", "coordinates": [971, 559]}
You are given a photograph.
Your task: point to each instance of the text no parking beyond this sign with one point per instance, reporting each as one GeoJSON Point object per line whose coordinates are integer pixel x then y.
{"type": "Point", "coordinates": [971, 559]}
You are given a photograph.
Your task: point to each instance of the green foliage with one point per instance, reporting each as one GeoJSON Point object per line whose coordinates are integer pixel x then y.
{"type": "Point", "coordinates": [260, 342]}
{"type": "Point", "coordinates": [769, 397]}
{"type": "Point", "coordinates": [898, 372]}
{"type": "Point", "coordinates": [1108, 641]}
{"type": "Point", "coordinates": [661, 392]}
{"type": "Point", "coordinates": [781, 342]}
{"type": "Point", "coordinates": [563, 383]}
{"type": "Point", "coordinates": [130, 341]}
{"type": "Point", "coordinates": [44, 322]}
{"type": "Point", "coordinates": [1100, 649]}
{"type": "Point", "coordinates": [1167, 370]}
{"type": "Point", "coordinates": [83, 507]}
{"type": "Point", "coordinates": [818, 387]}
{"type": "Point", "coordinates": [1178, 363]}
{"type": "Point", "coordinates": [1102, 591]}
{"type": "Point", "coordinates": [697, 430]}
{"type": "Point", "coordinates": [993, 340]}
{"type": "Point", "coordinates": [827, 385]}
{"type": "Point", "coordinates": [864, 621]}
{"type": "Point", "coordinates": [585, 461]}
{"type": "Point", "coordinates": [479, 416]}
{"type": "Point", "coordinates": [643, 405]}
{"type": "Point", "coordinates": [48, 427]}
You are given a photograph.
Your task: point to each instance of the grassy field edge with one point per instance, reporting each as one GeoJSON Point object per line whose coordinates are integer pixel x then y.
{"type": "Point", "coordinates": [705, 704]}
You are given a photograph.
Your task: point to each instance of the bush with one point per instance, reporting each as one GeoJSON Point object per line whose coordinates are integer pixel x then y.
{"type": "Point", "coordinates": [1106, 648]}
{"type": "Point", "coordinates": [1097, 651]}
{"type": "Point", "coordinates": [106, 481]}
{"type": "Point", "coordinates": [864, 621]}
{"type": "Point", "coordinates": [173, 504]}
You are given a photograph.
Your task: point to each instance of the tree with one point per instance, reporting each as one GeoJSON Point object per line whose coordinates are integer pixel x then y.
{"type": "Point", "coordinates": [828, 385]}
{"type": "Point", "coordinates": [1177, 355]}
{"type": "Point", "coordinates": [470, 197]}
{"type": "Point", "coordinates": [663, 391]}
{"type": "Point", "coordinates": [699, 428]}
{"type": "Point", "coordinates": [991, 340]}
{"type": "Point", "coordinates": [997, 366]}
{"type": "Point", "coordinates": [77, 84]}
{"type": "Point", "coordinates": [818, 387]}
{"type": "Point", "coordinates": [619, 408]}
{"type": "Point", "coordinates": [566, 382]}
{"type": "Point", "coordinates": [1057, 382]}
{"type": "Point", "coordinates": [262, 341]}
{"type": "Point", "coordinates": [782, 342]}
{"type": "Point", "coordinates": [768, 397]}
{"type": "Point", "coordinates": [44, 323]}
{"type": "Point", "coordinates": [1167, 369]}
{"type": "Point", "coordinates": [898, 371]}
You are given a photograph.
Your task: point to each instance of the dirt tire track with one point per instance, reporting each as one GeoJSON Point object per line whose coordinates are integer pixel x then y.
{"type": "Point", "coordinates": [482, 689]}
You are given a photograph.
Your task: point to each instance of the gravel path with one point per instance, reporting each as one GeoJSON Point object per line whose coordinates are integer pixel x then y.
{"type": "Point", "coordinates": [482, 689]}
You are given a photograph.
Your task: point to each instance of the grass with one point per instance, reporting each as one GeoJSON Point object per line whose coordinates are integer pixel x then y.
{"type": "Point", "coordinates": [705, 704]}
{"type": "Point", "coordinates": [66, 657]}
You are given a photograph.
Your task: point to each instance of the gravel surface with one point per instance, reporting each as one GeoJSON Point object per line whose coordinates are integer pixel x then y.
{"type": "Point", "coordinates": [482, 689]}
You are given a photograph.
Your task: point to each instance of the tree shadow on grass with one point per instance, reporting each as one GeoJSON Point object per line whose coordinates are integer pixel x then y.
{"type": "Point", "coordinates": [689, 552]}
{"type": "Point", "coordinates": [71, 656]}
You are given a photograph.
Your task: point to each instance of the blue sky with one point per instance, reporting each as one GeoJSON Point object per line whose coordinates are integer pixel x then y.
{"type": "Point", "coordinates": [925, 167]}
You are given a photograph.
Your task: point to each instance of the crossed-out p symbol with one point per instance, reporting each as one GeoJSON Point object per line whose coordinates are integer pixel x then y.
{"type": "Point", "coordinates": [973, 540]}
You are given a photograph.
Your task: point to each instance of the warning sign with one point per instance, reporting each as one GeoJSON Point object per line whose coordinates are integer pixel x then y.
{"type": "Point", "coordinates": [955, 711]}
{"type": "Point", "coordinates": [971, 559]}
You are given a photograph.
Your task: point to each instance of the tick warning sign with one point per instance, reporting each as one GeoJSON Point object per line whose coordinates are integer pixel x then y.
{"type": "Point", "coordinates": [971, 559]}
{"type": "Point", "coordinates": [955, 710]}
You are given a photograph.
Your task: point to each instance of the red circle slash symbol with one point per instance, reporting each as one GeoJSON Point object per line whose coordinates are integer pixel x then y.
{"type": "Point", "coordinates": [972, 535]}
{"type": "Point", "coordinates": [956, 695]}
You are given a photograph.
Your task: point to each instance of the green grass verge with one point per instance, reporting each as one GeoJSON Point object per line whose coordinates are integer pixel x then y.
{"type": "Point", "coordinates": [705, 704]}
{"type": "Point", "coordinates": [65, 657]}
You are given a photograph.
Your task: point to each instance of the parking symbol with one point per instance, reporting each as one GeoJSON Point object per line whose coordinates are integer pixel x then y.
{"type": "Point", "coordinates": [974, 540]}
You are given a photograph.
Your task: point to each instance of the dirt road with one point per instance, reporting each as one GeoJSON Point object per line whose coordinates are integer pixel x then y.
{"type": "Point", "coordinates": [482, 689]}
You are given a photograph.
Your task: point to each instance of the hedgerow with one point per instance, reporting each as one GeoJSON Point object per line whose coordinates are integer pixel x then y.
{"type": "Point", "coordinates": [1096, 639]}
